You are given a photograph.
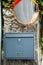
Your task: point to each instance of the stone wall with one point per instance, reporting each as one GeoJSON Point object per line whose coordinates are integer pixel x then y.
{"type": "Point", "coordinates": [10, 25]}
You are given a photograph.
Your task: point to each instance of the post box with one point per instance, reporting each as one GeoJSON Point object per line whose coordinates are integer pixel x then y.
{"type": "Point", "coordinates": [19, 45]}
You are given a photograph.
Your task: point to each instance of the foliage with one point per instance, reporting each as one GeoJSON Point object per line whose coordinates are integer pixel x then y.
{"type": "Point", "coordinates": [40, 5]}
{"type": "Point", "coordinates": [38, 2]}
{"type": "Point", "coordinates": [7, 3]}
{"type": "Point", "coordinates": [42, 45]}
{"type": "Point", "coordinates": [42, 41]}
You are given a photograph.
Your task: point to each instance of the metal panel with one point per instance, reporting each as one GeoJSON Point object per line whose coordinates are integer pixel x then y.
{"type": "Point", "coordinates": [18, 47]}
{"type": "Point", "coordinates": [24, 10]}
{"type": "Point", "coordinates": [19, 34]}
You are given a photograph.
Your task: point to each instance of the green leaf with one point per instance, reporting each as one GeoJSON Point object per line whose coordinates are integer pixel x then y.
{"type": "Point", "coordinates": [4, 4]}
{"type": "Point", "coordinates": [42, 12]}
{"type": "Point", "coordinates": [42, 3]}
{"type": "Point", "coordinates": [42, 44]}
{"type": "Point", "coordinates": [42, 39]}
{"type": "Point", "coordinates": [38, 1]}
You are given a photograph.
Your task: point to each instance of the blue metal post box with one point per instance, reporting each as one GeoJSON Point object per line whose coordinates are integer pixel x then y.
{"type": "Point", "coordinates": [19, 45]}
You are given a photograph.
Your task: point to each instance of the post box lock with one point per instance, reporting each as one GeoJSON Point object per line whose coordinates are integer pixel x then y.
{"type": "Point", "coordinates": [19, 39]}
